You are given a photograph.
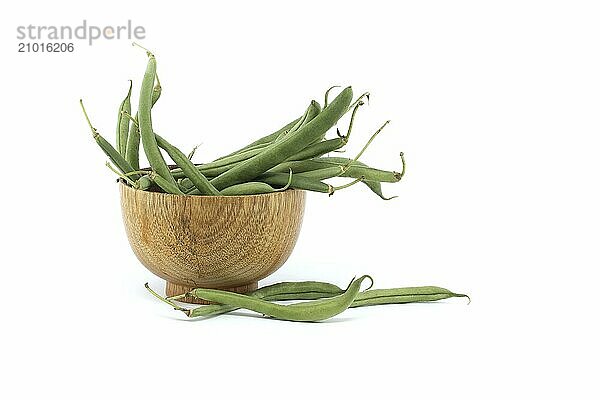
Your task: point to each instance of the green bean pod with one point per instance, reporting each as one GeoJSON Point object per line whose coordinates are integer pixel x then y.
{"type": "Point", "coordinates": [265, 139]}
{"type": "Point", "coordinates": [315, 310]}
{"type": "Point", "coordinates": [157, 162]}
{"type": "Point", "coordinates": [209, 173]}
{"type": "Point", "coordinates": [353, 171]}
{"type": "Point", "coordinates": [123, 122]}
{"type": "Point", "coordinates": [374, 185]}
{"type": "Point", "coordinates": [289, 291]}
{"type": "Point", "coordinates": [419, 294]}
{"type": "Point", "coordinates": [108, 149]}
{"type": "Point", "coordinates": [235, 158]}
{"type": "Point", "coordinates": [318, 149]}
{"type": "Point", "coordinates": [301, 183]}
{"type": "Point", "coordinates": [132, 153]}
{"type": "Point", "coordinates": [297, 166]}
{"type": "Point", "coordinates": [291, 144]}
{"type": "Point", "coordinates": [144, 183]}
{"type": "Point", "coordinates": [308, 290]}
{"type": "Point", "coordinates": [190, 170]}
{"type": "Point", "coordinates": [167, 186]}
{"type": "Point", "coordinates": [223, 164]}
{"type": "Point", "coordinates": [313, 109]}
{"type": "Point", "coordinates": [248, 188]}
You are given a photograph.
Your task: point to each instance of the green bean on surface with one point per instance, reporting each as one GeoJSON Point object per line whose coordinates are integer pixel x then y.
{"type": "Point", "coordinates": [313, 310]}
{"type": "Point", "coordinates": [312, 290]}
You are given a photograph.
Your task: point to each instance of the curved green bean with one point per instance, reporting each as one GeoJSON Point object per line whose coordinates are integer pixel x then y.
{"type": "Point", "coordinates": [144, 183]}
{"type": "Point", "coordinates": [308, 290]}
{"type": "Point", "coordinates": [157, 162]}
{"type": "Point", "coordinates": [313, 109]}
{"type": "Point", "coordinates": [108, 149]}
{"type": "Point", "coordinates": [265, 139]}
{"type": "Point", "coordinates": [290, 291]}
{"type": "Point", "coordinates": [253, 188]}
{"type": "Point", "coordinates": [190, 170]}
{"type": "Point", "coordinates": [314, 310]}
{"type": "Point", "coordinates": [375, 297]}
{"type": "Point", "coordinates": [123, 122]}
{"type": "Point", "coordinates": [278, 152]}
{"type": "Point", "coordinates": [132, 153]}
{"type": "Point", "coordinates": [320, 148]}
{"type": "Point", "coordinates": [167, 186]}
{"type": "Point", "coordinates": [301, 183]}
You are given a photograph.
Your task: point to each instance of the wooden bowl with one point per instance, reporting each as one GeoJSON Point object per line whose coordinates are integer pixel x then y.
{"type": "Point", "coordinates": [221, 242]}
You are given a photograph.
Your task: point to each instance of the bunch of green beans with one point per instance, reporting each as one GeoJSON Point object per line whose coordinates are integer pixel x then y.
{"type": "Point", "coordinates": [263, 166]}
{"type": "Point", "coordinates": [324, 300]}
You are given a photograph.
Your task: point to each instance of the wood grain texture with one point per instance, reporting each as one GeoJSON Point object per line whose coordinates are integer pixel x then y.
{"type": "Point", "coordinates": [218, 242]}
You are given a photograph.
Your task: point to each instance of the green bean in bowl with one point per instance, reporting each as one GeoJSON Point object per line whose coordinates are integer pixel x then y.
{"type": "Point", "coordinates": [260, 167]}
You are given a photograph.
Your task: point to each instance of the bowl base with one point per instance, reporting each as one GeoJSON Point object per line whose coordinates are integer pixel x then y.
{"type": "Point", "coordinates": [174, 289]}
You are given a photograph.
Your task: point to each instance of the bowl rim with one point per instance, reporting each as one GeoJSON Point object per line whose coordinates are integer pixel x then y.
{"type": "Point", "coordinates": [126, 185]}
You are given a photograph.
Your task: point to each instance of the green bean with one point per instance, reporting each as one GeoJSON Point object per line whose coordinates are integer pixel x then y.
{"type": "Point", "coordinates": [321, 169]}
{"type": "Point", "coordinates": [324, 173]}
{"type": "Point", "coordinates": [222, 164]}
{"type": "Point", "coordinates": [157, 162]}
{"type": "Point", "coordinates": [123, 122]}
{"type": "Point", "coordinates": [144, 183]}
{"type": "Point", "coordinates": [253, 188]}
{"type": "Point", "coordinates": [290, 291]}
{"type": "Point", "coordinates": [132, 154]}
{"type": "Point", "coordinates": [319, 148]}
{"type": "Point", "coordinates": [247, 188]}
{"type": "Point", "coordinates": [297, 166]}
{"type": "Point", "coordinates": [265, 139]}
{"type": "Point", "coordinates": [308, 290]}
{"type": "Point", "coordinates": [313, 109]}
{"type": "Point", "coordinates": [374, 185]}
{"type": "Point", "coordinates": [108, 149]}
{"type": "Point", "coordinates": [314, 310]}
{"type": "Point", "coordinates": [209, 173]}
{"type": "Point", "coordinates": [241, 156]}
{"type": "Point", "coordinates": [403, 295]}
{"type": "Point", "coordinates": [291, 144]}
{"type": "Point", "coordinates": [190, 170]}
{"type": "Point", "coordinates": [301, 183]}
{"type": "Point", "coordinates": [167, 186]}
{"type": "Point", "coordinates": [361, 169]}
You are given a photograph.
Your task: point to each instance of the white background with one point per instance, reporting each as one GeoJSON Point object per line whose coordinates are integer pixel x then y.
{"type": "Point", "coordinates": [495, 105]}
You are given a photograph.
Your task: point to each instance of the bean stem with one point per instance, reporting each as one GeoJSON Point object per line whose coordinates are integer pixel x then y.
{"type": "Point", "coordinates": [125, 177]}
{"type": "Point", "coordinates": [326, 101]}
{"type": "Point", "coordinates": [164, 299]}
